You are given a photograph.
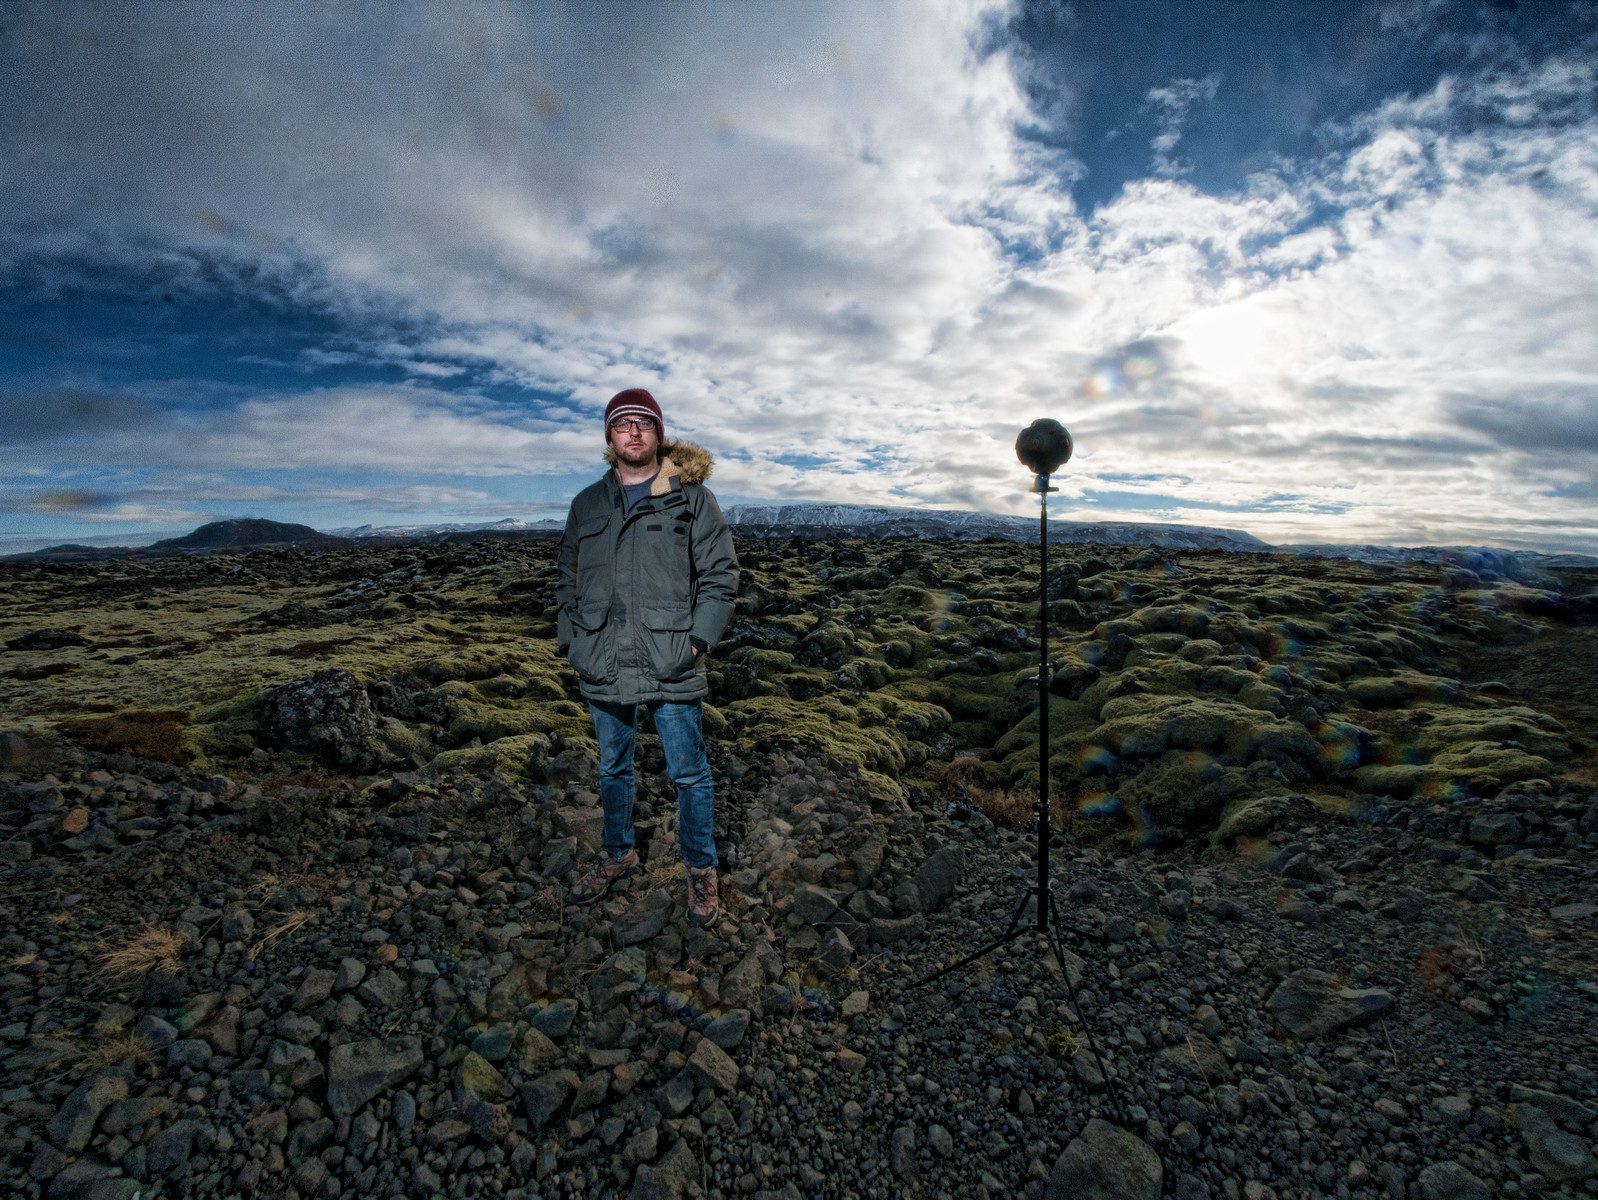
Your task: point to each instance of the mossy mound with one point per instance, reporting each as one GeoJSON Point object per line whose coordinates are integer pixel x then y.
{"type": "Point", "coordinates": [1406, 687]}
{"type": "Point", "coordinates": [1185, 791]}
{"type": "Point", "coordinates": [517, 757]}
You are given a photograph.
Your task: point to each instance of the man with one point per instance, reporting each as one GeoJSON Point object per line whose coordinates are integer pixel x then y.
{"type": "Point", "coordinates": [647, 579]}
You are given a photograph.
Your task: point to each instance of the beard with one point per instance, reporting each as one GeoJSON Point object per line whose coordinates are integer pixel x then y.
{"type": "Point", "coordinates": [642, 456]}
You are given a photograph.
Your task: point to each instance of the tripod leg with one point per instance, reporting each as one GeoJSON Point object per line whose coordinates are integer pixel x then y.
{"type": "Point", "coordinates": [1008, 935]}
{"type": "Point", "coordinates": [1076, 1007]}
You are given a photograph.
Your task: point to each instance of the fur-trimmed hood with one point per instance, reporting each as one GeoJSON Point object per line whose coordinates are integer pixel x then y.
{"type": "Point", "coordinates": [691, 463]}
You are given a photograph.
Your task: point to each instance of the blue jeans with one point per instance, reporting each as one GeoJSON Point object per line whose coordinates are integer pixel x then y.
{"type": "Point", "coordinates": [683, 740]}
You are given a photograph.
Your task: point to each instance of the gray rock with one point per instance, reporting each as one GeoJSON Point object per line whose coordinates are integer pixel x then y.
{"type": "Point", "coordinates": [902, 1154]}
{"type": "Point", "coordinates": [291, 1027]}
{"type": "Point", "coordinates": [1495, 829]}
{"type": "Point", "coordinates": [495, 1044]}
{"type": "Point", "coordinates": [675, 1095]}
{"type": "Point", "coordinates": [169, 1150]}
{"type": "Point", "coordinates": [1450, 1181]}
{"type": "Point", "coordinates": [326, 715]}
{"type": "Point", "coordinates": [618, 977]}
{"type": "Point", "coordinates": [359, 1070]}
{"type": "Point", "coordinates": [1196, 1057]}
{"type": "Point", "coordinates": [938, 876]}
{"type": "Point", "coordinates": [555, 1020]}
{"type": "Point", "coordinates": [640, 923]}
{"type": "Point", "coordinates": [836, 952]}
{"type": "Point", "coordinates": [1572, 1114]}
{"type": "Point", "coordinates": [641, 1146]}
{"type": "Point", "coordinates": [1118, 928]}
{"type": "Point", "coordinates": [315, 987]}
{"type": "Point", "coordinates": [383, 990]}
{"type": "Point", "coordinates": [349, 974]}
{"type": "Point", "coordinates": [74, 1122]}
{"type": "Point", "coordinates": [941, 1141]}
{"type": "Point", "coordinates": [190, 1052]}
{"type": "Point", "coordinates": [867, 859]}
{"type": "Point", "coordinates": [812, 904]}
{"type": "Point", "coordinates": [139, 1110]}
{"type": "Point", "coordinates": [538, 1052]}
{"type": "Point", "coordinates": [1085, 1065]}
{"type": "Point", "coordinates": [669, 1178]}
{"type": "Point", "coordinates": [1106, 1163]}
{"type": "Point", "coordinates": [745, 985]}
{"type": "Point", "coordinates": [728, 1029]}
{"type": "Point", "coordinates": [1313, 1003]}
{"type": "Point", "coordinates": [1559, 1155]}
{"type": "Point", "coordinates": [889, 931]}
{"type": "Point", "coordinates": [543, 1097]}
{"type": "Point", "coordinates": [712, 1067]}
{"type": "Point", "coordinates": [591, 1091]}
{"type": "Point", "coordinates": [154, 1032]}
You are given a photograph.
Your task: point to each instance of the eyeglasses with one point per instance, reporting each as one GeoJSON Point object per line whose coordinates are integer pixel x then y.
{"type": "Point", "coordinates": [627, 424]}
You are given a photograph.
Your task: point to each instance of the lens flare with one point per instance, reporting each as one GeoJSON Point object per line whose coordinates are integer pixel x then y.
{"type": "Point", "coordinates": [1098, 804]}
{"type": "Point", "coordinates": [1139, 367]}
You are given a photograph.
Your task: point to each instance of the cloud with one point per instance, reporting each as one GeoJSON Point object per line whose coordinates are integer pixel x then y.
{"type": "Point", "coordinates": [1171, 106]}
{"type": "Point", "coordinates": [825, 235]}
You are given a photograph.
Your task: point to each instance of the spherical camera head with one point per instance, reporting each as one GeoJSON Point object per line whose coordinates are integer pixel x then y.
{"type": "Point", "coordinates": [1043, 446]}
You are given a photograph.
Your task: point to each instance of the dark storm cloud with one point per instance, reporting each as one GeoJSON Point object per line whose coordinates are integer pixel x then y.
{"type": "Point", "coordinates": [69, 412]}
{"type": "Point", "coordinates": [1563, 420]}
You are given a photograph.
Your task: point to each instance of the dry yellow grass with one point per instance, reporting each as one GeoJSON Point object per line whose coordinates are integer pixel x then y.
{"type": "Point", "coordinates": [120, 1049]}
{"type": "Point", "coordinates": [292, 921]}
{"type": "Point", "coordinates": [155, 949]}
{"type": "Point", "coordinates": [965, 779]}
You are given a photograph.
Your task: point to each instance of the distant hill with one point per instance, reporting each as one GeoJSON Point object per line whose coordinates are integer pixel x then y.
{"type": "Point", "coordinates": [858, 520]}
{"type": "Point", "coordinates": [244, 532]}
{"type": "Point", "coordinates": [821, 520]}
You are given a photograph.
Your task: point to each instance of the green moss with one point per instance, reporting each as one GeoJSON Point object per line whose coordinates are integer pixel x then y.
{"type": "Point", "coordinates": [1145, 725]}
{"type": "Point", "coordinates": [403, 742]}
{"type": "Point", "coordinates": [1406, 687]}
{"type": "Point", "coordinates": [512, 756]}
{"type": "Point", "coordinates": [1537, 733]}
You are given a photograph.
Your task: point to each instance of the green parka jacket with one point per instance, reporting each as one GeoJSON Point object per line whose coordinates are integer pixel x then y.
{"type": "Point", "coordinates": [636, 586]}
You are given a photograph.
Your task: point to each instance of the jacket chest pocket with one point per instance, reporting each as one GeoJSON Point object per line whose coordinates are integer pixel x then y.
{"type": "Point", "coordinates": [666, 627]}
{"type": "Point", "coordinates": [593, 559]}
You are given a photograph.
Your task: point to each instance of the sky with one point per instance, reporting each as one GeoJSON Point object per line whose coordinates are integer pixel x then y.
{"type": "Point", "coordinates": [1324, 272]}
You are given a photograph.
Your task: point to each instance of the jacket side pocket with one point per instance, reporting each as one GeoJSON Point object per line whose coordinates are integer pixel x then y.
{"type": "Point", "coordinates": [593, 652]}
{"type": "Point", "coordinates": [671, 655]}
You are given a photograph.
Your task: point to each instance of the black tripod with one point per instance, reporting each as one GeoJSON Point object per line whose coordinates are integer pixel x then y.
{"type": "Point", "coordinates": [1047, 922]}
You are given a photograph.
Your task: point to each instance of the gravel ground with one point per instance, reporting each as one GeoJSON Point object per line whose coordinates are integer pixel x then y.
{"type": "Point", "coordinates": [374, 989]}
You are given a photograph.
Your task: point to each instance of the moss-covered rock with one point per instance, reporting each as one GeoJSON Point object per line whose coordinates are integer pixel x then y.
{"type": "Point", "coordinates": [518, 757]}
{"type": "Point", "coordinates": [1406, 687]}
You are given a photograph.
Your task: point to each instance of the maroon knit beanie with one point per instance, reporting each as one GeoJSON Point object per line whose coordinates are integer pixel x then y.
{"type": "Point", "coordinates": [635, 402]}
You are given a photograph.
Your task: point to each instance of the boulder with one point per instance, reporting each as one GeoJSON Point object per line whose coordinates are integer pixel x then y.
{"type": "Point", "coordinates": [73, 1124]}
{"type": "Point", "coordinates": [712, 1067]}
{"type": "Point", "coordinates": [618, 977]}
{"type": "Point", "coordinates": [1560, 1156]}
{"type": "Point", "coordinates": [1106, 1163]}
{"type": "Point", "coordinates": [669, 1178]}
{"type": "Point", "coordinates": [543, 1097]}
{"type": "Point", "coordinates": [327, 716]}
{"type": "Point", "coordinates": [359, 1070]}
{"type": "Point", "coordinates": [1313, 1004]}
{"type": "Point", "coordinates": [1495, 829]}
{"type": "Point", "coordinates": [936, 880]}
{"type": "Point", "coordinates": [812, 904]}
{"type": "Point", "coordinates": [1450, 1181]}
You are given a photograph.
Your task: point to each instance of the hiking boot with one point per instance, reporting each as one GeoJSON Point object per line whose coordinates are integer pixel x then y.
{"type": "Point", "coordinates": [704, 896]}
{"type": "Point", "coordinates": [605, 871]}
